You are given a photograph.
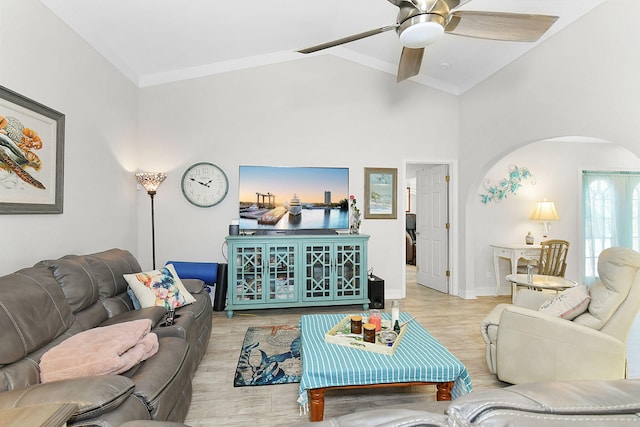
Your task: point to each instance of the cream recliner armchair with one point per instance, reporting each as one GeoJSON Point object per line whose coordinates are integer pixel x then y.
{"type": "Point", "coordinates": [525, 345]}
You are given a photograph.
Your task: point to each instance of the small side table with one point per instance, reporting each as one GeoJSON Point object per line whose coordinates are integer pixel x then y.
{"type": "Point", "coordinates": [539, 282]}
{"type": "Point", "coordinates": [512, 252]}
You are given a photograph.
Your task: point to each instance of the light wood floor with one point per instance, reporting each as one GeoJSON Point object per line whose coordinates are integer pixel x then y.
{"type": "Point", "coordinates": [454, 321]}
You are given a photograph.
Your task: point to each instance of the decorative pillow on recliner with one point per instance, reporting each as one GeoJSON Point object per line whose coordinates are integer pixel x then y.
{"type": "Point", "coordinates": [159, 287]}
{"type": "Point", "coordinates": [568, 304]}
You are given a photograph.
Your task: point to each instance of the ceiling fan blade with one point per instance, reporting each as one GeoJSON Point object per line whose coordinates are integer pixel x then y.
{"type": "Point", "coordinates": [410, 62]}
{"type": "Point", "coordinates": [455, 3]}
{"type": "Point", "coordinates": [348, 39]}
{"type": "Point", "coordinates": [499, 25]}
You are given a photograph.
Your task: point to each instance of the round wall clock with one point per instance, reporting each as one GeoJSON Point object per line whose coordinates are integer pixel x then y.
{"type": "Point", "coordinates": [204, 184]}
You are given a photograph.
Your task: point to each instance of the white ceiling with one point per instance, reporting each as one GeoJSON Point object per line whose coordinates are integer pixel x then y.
{"type": "Point", "coordinates": [159, 41]}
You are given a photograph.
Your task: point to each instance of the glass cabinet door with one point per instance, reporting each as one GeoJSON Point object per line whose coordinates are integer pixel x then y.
{"type": "Point", "coordinates": [348, 271]}
{"type": "Point", "coordinates": [281, 274]}
{"type": "Point", "coordinates": [248, 274]}
{"type": "Point", "coordinates": [317, 275]}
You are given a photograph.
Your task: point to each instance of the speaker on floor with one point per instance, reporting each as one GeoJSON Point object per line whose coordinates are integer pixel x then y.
{"type": "Point", "coordinates": [376, 292]}
{"type": "Point", "coordinates": [220, 300]}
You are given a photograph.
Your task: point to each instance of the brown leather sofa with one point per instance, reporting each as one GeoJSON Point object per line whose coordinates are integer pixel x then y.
{"type": "Point", "coordinates": [41, 306]}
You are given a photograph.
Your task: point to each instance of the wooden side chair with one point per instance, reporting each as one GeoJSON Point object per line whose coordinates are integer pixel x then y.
{"type": "Point", "coordinates": [552, 261]}
{"type": "Point", "coordinates": [553, 258]}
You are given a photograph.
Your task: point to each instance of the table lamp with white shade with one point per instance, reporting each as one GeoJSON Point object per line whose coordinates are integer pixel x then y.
{"type": "Point", "coordinates": [545, 212]}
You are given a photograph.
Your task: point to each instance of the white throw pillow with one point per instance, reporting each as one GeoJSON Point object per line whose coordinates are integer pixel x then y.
{"type": "Point", "coordinates": [160, 287]}
{"type": "Point", "coordinates": [568, 304]}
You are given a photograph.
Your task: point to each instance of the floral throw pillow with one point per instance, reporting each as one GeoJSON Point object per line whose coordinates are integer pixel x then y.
{"type": "Point", "coordinates": [160, 287]}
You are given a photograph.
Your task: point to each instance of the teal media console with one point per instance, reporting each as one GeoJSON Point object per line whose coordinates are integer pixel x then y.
{"type": "Point", "coordinates": [296, 271]}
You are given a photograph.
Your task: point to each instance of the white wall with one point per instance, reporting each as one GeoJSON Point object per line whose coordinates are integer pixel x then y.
{"type": "Point", "coordinates": [316, 111]}
{"type": "Point", "coordinates": [579, 82]}
{"type": "Point", "coordinates": [319, 111]}
{"type": "Point", "coordinates": [557, 176]}
{"type": "Point", "coordinates": [44, 60]}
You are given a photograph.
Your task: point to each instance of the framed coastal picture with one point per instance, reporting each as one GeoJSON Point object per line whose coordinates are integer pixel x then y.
{"type": "Point", "coordinates": [380, 193]}
{"type": "Point", "coordinates": [31, 156]}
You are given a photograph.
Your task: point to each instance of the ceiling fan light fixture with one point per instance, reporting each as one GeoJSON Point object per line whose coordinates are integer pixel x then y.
{"type": "Point", "coordinates": [421, 31]}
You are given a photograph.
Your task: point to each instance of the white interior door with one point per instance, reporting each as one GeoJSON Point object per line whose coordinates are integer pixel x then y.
{"type": "Point", "coordinates": [432, 234]}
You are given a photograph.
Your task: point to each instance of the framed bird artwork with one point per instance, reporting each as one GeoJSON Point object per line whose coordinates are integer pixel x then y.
{"type": "Point", "coordinates": [31, 156]}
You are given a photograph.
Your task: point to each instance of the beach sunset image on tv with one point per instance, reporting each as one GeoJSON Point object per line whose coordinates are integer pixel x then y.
{"type": "Point", "coordinates": [293, 198]}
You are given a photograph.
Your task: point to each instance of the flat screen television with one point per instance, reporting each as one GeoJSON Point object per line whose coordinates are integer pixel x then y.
{"type": "Point", "coordinates": [291, 200]}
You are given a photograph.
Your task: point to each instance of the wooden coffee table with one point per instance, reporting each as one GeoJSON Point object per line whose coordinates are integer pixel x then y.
{"type": "Point", "coordinates": [419, 359]}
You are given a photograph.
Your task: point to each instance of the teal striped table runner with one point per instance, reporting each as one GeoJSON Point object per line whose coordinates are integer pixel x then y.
{"type": "Point", "coordinates": [419, 357]}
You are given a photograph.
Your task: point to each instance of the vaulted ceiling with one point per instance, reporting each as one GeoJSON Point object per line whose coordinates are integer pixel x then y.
{"type": "Point", "coordinates": [158, 41]}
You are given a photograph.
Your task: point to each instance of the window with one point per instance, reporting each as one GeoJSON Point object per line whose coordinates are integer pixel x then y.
{"type": "Point", "coordinates": [611, 211]}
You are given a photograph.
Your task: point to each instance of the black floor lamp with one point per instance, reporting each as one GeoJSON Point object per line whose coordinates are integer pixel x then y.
{"type": "Point", "coordinates": [151, 181]}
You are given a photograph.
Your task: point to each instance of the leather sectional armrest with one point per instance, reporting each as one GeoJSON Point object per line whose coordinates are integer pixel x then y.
{"type": "Point", "coordinates": [194, 286]}
{"type": "Point", "coordinates": [50, 414]}
{"type": "Point", "coordinates": [183, 327]}
{"type": "Point", "coordinates": [93, 395]}
{"type": "Point", "coordinates": [550, 401]}
{"type": "Point", "coordinates": [535, 347]}
{"type": "Point", "coordinates": [156, 314]}
{"type": "Point", "coordinates": [383, 418]}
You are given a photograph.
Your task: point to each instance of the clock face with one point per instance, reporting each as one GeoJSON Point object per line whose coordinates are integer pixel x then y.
{"type": "Point", "coordinates": [204, 184]}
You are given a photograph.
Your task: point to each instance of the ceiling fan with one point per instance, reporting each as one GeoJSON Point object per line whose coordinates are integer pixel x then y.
{"type": "Point", "coordinates": [422, 22]}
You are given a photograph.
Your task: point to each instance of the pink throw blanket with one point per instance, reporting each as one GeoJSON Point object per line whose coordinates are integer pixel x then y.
{"type": "Point", "coordinates": [99, 351]}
